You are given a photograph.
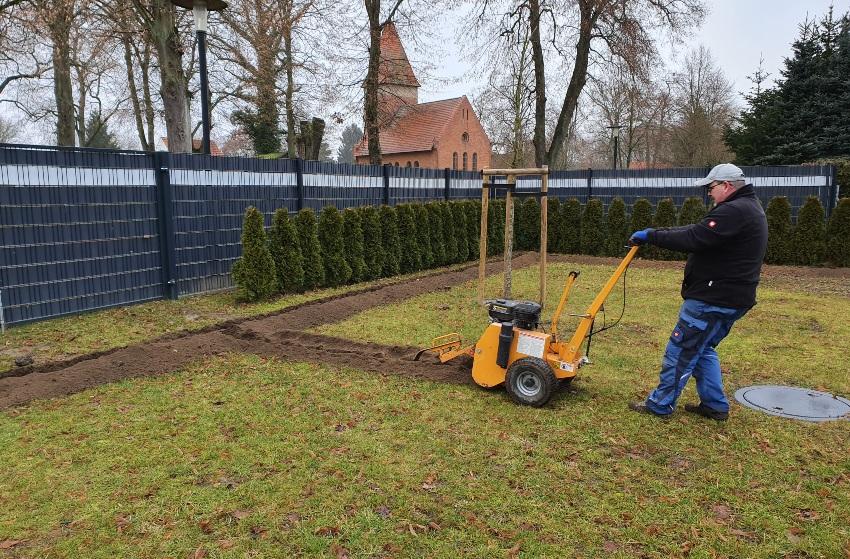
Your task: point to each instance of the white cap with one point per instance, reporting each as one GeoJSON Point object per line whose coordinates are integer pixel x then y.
{"type": "Point", "coordinates": [722, 172]}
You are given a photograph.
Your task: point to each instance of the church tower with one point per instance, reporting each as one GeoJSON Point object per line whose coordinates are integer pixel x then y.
{"type": "Point", "coordinates": [397, 84]}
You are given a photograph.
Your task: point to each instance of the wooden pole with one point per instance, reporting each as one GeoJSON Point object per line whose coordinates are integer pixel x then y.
{"type": "Point", "coordinates": [544, 235]}
{"type": "Point", "coordinates": [482, 243]}
{"type": "Point", "coordinates": [509, 235]}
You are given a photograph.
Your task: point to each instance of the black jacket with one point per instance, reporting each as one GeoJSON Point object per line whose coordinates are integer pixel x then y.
{"type": "Point", "coordinates": [727, 248]}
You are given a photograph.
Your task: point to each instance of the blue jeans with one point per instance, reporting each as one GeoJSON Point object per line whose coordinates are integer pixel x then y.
{"type": "Point", "coordinates": [690, 351]}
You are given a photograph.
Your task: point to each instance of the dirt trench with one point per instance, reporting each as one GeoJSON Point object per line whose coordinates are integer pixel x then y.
{"type": "Point", "coordinates": [280, 335]}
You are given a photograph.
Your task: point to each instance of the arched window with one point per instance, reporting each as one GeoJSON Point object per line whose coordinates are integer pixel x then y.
{"type": "Point", "coordinates": [465, 137]}
{"type": "Point", "coordinates": [396, 163]}
{"type": "Point", "coordinates": [465, 161]}
{"type": "Point", "coordinates": [416, 164]}
{"type": "Point", "coordinates": [474, 161]}
{"type": "Point", "coordinates": [409, 164]}
{"type": "Point", "coordinates": [454, 161]}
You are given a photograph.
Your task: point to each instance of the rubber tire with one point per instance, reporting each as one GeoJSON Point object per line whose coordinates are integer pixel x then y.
{"type": "Point", "coordinates": [541, 372]}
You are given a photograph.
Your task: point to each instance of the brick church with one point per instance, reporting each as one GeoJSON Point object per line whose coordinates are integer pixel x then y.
{"type": "Point", "coordinates": [438, 134]}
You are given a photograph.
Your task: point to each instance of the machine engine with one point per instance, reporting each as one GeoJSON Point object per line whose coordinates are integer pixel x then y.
{"type": "Point", "coordinates": [522, 314]}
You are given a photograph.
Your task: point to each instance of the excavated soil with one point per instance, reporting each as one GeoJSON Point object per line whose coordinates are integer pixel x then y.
{"type": "Point", "coordinates": [281, 335]}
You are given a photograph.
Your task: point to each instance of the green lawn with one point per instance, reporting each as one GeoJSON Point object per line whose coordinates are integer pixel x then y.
{"type": "Point", "coordinates": [240, 456]}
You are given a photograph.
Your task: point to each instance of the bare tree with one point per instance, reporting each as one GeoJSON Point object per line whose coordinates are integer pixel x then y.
{"type": "Point", "coordinates": [20, 59]}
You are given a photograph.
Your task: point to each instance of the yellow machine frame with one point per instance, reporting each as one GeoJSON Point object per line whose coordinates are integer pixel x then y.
{"type": "Point", "coordinates": [563, 356]}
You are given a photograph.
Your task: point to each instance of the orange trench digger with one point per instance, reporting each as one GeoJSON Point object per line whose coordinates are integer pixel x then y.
{"type": "Point", "coordinates": [514, 349]}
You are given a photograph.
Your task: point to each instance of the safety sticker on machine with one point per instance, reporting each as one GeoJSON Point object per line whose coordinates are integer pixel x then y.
{"type": "Point", "coordinates": [531, 345]}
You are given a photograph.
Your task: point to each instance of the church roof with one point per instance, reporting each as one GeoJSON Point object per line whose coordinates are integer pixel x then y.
{"type": "Point", "coordinates": [417, 128]}
{"type": "Point", "coordinates": [394, 67]}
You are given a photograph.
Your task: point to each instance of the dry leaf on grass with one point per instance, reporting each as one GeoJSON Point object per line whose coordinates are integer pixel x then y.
{"type": "Point", "coordinates": [430, 482]}
{"type": "Point", "coordinates": [205, 526]}
{"type": "Point", "coordinates": [339, 552]}
{"type": "Point", "coordinates": [721, 512]}
{"type": "Point", "coordinates": [226, 544]}
{"type": "Point", "coordinates": [383, 511]}
{"type": "Point", "coordinates": [610, 547]}
{"type": "Point", "coordinates": [328, 531]}
{"type": "Point", "coordinates": [9, 544]}
{"type": "Point", "coordinates": [240, 514]}
{"type": "Point", "coordinates": [199, 553]}
{"type": "Point", "coordinates": [513, 552]}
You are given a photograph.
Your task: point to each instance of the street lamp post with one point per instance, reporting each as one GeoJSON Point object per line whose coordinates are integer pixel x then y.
{"type": "Point", "coordinates": [200, 12]}
{"type": "Point", "coordinates": [615, 130]}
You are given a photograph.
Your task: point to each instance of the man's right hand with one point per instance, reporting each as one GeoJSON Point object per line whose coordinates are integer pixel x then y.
{"type": "Point", "coordinates": [640, 237]}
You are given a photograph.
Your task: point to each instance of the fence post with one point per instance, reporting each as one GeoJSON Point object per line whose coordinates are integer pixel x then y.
{"type": "Point", "coordinates": [447, 173]}
{"type": "Point", "coordinates": [833, 189]}
{"type": "Point", "coordinates": [589, 185]}
{"type": "Point", "coordinates": [386, 185]}
{"type": "Point", "coordinates": [299, 183]}
{"type": "Point", "coordinates": [165, 224]}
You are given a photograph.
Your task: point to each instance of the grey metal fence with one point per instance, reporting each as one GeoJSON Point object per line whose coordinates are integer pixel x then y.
{"type": "Point", "coordinates": [84, 229]}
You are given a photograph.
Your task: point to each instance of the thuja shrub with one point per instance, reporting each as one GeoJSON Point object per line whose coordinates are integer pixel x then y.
{"type": "Point", "coordinates": [553, 207]}
{"type": "Point", "coordinates": [838, 234]}
{"type": "Point", "coordinates": [473, 227]}
{"type": "Point", "coordinates": [411, 259]}
{"type": "Point", "coordinates": [390, 241]}
{"type": "Point", "coordinates": [449, 234]}
{"type": "Point", "coordinates": [593, 228]}
{"type": "Point", "coordinates": [779, 230]}
{"type": "Point", "coordinates": [569, 227]}
{"type": "Point", "coordinates": [693, 210]}
{"type": "Point", "coordinates": [617, 227]}
{"type": "Point", "coordinates": [423, 233]}
{"type": "Point", "coordinates": [459, 220]}
{"type": "Point", "coordinates": [438, 243]}
{"type": "Point", "coordinates": [373, 247]}
{"type": "Point", "coordinates": [352, 232]}
{"type": "Point", "coordinates": [254, 271]}
{"type": "Point", "coordinates": [311, 248]}
{"type": "Point", "coordinates": [337, 270]}
{"type": "Point", "coordinates": [527, 224]}
{"type": "Point", "coordinates": [809, 237]}
{"type": "Point", "coordinates": [641, 219]}
{"type": "Point", "coordinates": [495, 227]}
{"type": "Point", "coordinates": [665, 216]}
{"type": "Point", "coordinates": [286, 252]}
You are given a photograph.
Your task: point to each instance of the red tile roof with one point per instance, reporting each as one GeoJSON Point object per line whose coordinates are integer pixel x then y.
{"type": "Point", "coordinates": [394, 67]}
{"type": "Point", "coordinates": [417, 128]}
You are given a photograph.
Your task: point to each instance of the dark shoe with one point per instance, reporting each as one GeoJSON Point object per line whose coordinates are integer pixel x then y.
{"type": "Point", "coordinates": [707, 412]}
{"type": "Point", "coordinates": [640, 407]}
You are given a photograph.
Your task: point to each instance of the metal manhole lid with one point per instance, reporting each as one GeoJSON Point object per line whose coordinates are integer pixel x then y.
{"type": "Point", "coordinates": [794, 403]}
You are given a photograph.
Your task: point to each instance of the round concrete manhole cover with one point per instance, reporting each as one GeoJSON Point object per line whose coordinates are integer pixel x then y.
{"type": "Point", "coordinates": [794, 403]}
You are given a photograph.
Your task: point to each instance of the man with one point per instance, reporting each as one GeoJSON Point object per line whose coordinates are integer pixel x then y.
{"type": "Point", "coordinates": [719, 287]}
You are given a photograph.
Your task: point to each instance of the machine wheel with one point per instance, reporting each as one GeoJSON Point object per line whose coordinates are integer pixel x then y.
{"type": "Point", "coordinates": [530, 381]}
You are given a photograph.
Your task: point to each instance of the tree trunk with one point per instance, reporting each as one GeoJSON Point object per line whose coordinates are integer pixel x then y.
{"type": "Point", "coordinates": [291, 133]}
{"type": "Point", "coordinates": [370, 112]}
{"type": "Point", "coordinates": [147, 98]}
{"type": "Point", "coordinates": [540, 156]}
{"type": "Point", "coordinates": [60, 26]}
{"type": "Point", "coordinates": [577, 81]}
{"type": "Point", "coordinates": [172, 80]}
{"type": "Point", "coordinates": [134, 93]}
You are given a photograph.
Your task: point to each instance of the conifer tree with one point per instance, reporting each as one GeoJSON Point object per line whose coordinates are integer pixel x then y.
{"type": "Point", "coordinates": [809, 237]}
{"type": "Point", "coordinates": [527, 224]}
{"type": "Point", "coordinates": [352, 232]}
{"type": "Point", "coordinates": [311, 249]}
{"type": "Point", "coordinates": [459, 220]}
{"type": "Point", "coordinates": [838, 234]}
{"type": "Point", "coordinates": [665, 216]}
{"type": "Point", "coordinates": [779, 231]}
{"type": "Point", "coordinates": [553, 208]}
{"type": "Point", "coordinates": [373, 248]}
{"type": "Point", "coordinates": [449, 235]}
{"type": "Point", "coordinates": [438, 243]}
{"type": "Point", "coordinates": [337, 270]}
{"type": "Point", "coordinates": [411, 258]}
{"type": "Point", "coordinates": [423, 231]}
{"type": "Point", "coordinates": [570, 227]}
{"type": "Point", "coordinates": [254, 271]}
{"type": "Point", "coordinates": [284, 247]}
{"type": "Point", "coordinates": [593, 238]}
{"type": "Point", "coordinates": [616, 227]}
{"type": "Point", "coordinates": [642, 219]}
{"type": "Point", "coordinates": [495, 227]}
{"type": "Point", "coordinates": [693, 210]}
{"type": "Point", "coordinates": [390, 241]}
{"type": "Point", "coordinates": [473, 227]}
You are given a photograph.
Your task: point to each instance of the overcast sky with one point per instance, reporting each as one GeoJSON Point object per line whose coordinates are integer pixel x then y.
{"type": "Point", "coordinates": [738, 33]}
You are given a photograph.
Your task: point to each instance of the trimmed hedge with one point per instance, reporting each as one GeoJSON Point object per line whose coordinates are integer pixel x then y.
{"type": "Point", "coordinates": [438, 242]}
{"type": "Point", "coordinates": [779, 231]}
{"type": "Point", "coordinates": [449, 233]}
{"type": "Point", "coordinates": [838, 234]}
{"type": "Point", "coordinates": [423, 233]}
{"type": "Point", "coordinates": [373, 248]}
{"type": "Point", "coordinates": [527, 224]}
{"type": "Point", "coordinates": [254, 271]}
{"type": "Point", "coordinates": [352, 233]}
{"type": "Point", "coordinates": [808, 243]}
{"type": "Point", "coordinates": [665, 216]}
{"type": "Point", "coordinates": [473, 227]}
{"type": "Point", "coordinates": [693, 210]}
{"type": "Point", "coordinates": [617, 228]}
{"type": "Point", "coordinates": [286, 252]}
{"type": "Point", "coordinates": [460, 230]}
{"type": "Point", "coordinates": [641, 219]}
{"type": "Point", "coordinates": [311, 249]}
{"type": "Point", "coordinates": [390, 241]}
{"type": "Point", "coordinates": [553, 210]}
{"type": "Point", "coordinates": [495, 227]}
{"type": "Point", "coordinates": [569, 227]}
{"type": "Point", "coordinates": [593, 228]}
{"type": "Point", "coordinates": [337, 270]}
{"type": "Point", "coordinates": [410, 257]}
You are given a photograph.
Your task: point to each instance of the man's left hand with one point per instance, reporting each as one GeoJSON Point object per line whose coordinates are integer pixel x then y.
{"type": "Point", "coordinates": [640, 237]}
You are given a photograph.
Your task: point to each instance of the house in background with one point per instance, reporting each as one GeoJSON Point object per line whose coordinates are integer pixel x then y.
{"type": "Point", "coordinates": [438, 134]}
{"type": "Point", "coordinates": [196, 146]}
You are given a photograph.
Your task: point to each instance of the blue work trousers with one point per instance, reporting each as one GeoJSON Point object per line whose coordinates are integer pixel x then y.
{"type": "Point", "coordinates": [690, 351]}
